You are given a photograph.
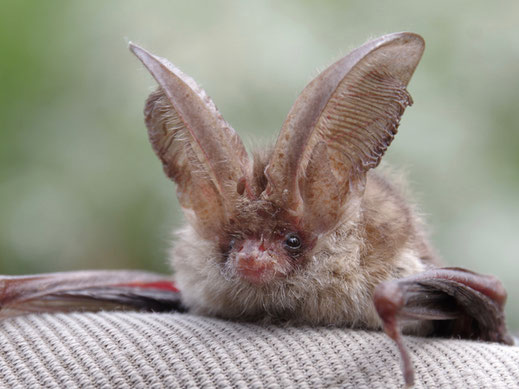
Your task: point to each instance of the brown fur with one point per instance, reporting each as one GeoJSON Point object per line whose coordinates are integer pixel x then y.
{"type": "Point", "coordinates": [383, 239]}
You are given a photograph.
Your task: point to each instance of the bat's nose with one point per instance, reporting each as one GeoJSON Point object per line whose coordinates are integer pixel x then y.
{"type": "Point", "coordinates": [254, 264]}
{"type": "Point", "coordinates": [247, 260]}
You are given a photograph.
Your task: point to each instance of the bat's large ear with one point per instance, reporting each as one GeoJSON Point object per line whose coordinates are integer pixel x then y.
{"type": "Point", "coordinates": [339, 127]}
{"type": "Point", "coordinates": [198, 149]}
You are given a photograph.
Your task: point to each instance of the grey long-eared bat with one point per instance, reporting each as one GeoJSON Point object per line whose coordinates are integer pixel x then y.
{"type": "Point", "coordinates": [304, 232]}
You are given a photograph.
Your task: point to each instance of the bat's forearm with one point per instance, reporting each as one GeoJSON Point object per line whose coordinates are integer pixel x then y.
{"type": "Point", "coordinates": [87, 291]}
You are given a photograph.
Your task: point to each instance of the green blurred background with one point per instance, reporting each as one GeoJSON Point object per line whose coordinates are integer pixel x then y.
{"type": "Point", "coordinates": [80, 187]}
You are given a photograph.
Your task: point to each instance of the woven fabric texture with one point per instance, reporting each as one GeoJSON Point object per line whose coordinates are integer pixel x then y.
{"type": "Point", "coordinates": [150, 350]}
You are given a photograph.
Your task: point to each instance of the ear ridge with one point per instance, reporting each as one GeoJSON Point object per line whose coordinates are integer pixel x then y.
{"type": "Point", "coordinates": [320, 192]}
{"type": "Point", "coordinates": [361, 120]}
{"type": "Point", "coordinates": [353, 107]}
{"type": "Point", "coordinates": [196, 190]}
{"type": "Point", "coordinates": [191, 138]}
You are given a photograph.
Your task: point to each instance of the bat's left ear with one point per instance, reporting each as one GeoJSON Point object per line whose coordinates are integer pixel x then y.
{"type": "Point", "coordinates": [199, 150]}
{"type": "Point", "coordinates": [339, 128]}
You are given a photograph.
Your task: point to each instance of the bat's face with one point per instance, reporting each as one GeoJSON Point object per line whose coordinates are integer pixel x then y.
{"type": "Point", "coordinates": [263, 255]}
{"type": "Point", "coordinates": [262, 243]}
{"type": "Point", "coordinates": [293, 225]}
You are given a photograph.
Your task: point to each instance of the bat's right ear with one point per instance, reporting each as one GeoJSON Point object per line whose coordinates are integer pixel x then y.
{"type": "Point", "coordinates": [339, 127]}
{"type": "Point", "coordinates": [198, 149]}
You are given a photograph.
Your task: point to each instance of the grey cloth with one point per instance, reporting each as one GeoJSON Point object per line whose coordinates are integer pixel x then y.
{"type": "Point", "coordinates": [151, 350]}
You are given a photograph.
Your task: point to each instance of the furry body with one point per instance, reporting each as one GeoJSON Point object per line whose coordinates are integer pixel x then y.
{"type": "Point", "coordinates": [383, 239]}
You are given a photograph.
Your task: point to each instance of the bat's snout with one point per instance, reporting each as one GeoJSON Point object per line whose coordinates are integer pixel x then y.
{"type": "Point", "coordinates": [257, 262]}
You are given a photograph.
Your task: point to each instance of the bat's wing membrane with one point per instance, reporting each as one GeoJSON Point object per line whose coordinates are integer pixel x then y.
{"type": "Point", "coordinates": [456, 302]}
{"type": "Point", "coordinates": [87, 291]}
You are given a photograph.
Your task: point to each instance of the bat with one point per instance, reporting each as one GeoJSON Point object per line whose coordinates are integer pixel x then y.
{"type": "Point", "coordinates": [304, 232]}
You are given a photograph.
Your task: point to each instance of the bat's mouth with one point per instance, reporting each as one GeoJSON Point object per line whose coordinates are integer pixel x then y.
{"type": "Point", "coordinates": [255, 272]}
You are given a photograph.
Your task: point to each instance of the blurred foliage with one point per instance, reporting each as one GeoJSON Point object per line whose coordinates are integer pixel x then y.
{"type": "Point", "coordinates": [80, 187]}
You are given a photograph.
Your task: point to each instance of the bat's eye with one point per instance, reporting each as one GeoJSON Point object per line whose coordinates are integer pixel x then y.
{"type": "Point", "coordinates": [292, 243]}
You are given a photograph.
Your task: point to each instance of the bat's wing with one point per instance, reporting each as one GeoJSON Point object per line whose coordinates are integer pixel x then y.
{"type": "Point", "coordinates": [87, 291]}
{"type": "Point", "coordinates": [456, 302]}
